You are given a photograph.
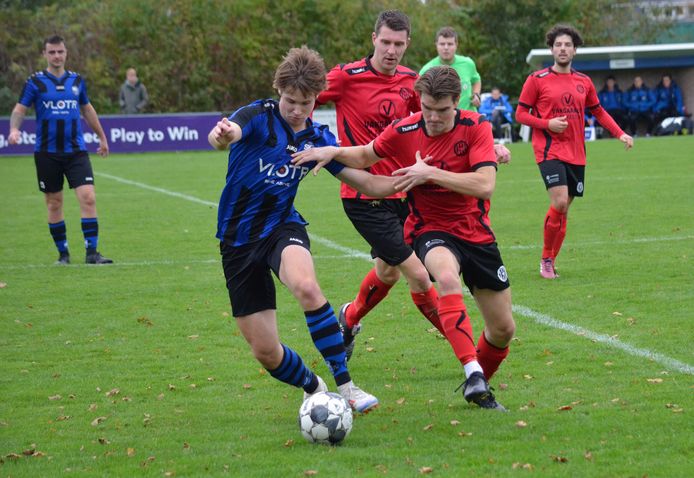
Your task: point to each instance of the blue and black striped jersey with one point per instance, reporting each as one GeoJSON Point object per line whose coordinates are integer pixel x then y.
{"type": "Point", "coordinates": [261, 182]}
{"type": "Point", "coordinates": [57, 102]}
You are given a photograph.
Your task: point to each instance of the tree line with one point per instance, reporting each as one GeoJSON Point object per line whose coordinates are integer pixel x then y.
{"type": "Point", "coordinates": [205, 55]}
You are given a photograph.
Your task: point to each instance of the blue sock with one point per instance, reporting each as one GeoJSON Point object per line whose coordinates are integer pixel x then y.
{"type": "Point", "coordinates": [59, 234]}
{"type": "Point", "coordinates": [90, 229]}
{"type": "Point", "coordinates": [293, 371]}
{"type": "Point", "coordinates": [327, 338]}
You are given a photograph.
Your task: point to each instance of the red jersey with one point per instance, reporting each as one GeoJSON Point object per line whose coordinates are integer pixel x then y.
{"type": "Point", "coordinates": [366, 102]}
{"type": "Point", "coordinates": [467, 147]}
{"type": "Point", "coordinates": [551, 94]}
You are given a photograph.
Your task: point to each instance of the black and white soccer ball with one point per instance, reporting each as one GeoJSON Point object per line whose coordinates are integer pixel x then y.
{"type": "Point", "coordinates": [325, 417]}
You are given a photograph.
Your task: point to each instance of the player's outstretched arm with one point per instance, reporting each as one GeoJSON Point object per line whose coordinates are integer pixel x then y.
{"type": "Point", "coordinates": [367, 183]}
{"type": "Point", "coordinates": [16, 119]}
{"type": "Point", "coordinates": [224, 133]}
{"type": "Point", "coordinates": [358, 157]}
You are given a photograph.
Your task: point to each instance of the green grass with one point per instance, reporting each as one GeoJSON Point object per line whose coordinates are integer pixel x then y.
{"type": "Point", "coordinates": [192, 401]}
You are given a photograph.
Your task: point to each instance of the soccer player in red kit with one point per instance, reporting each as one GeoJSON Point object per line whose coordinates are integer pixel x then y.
{"type": "Point", "coordinates": [558, 97]}
{"type": "Point", "coordinates": [368, 95]}
{"type": "Point", "coordinates": [448, 225]}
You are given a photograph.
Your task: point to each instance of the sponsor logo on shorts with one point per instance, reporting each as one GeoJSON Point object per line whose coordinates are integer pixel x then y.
{"type": "Point", "coordinates": [501, 274]}
{"type": "Point", "coordinates": [296, 239]}
{"type": "Point", "coordinates": [434, 242]}
{"type": "Point", "coordinates": [552, 178]}
{"type": "Point", "coordinates": [579, 187]}
{"type": "Point", "coordinates": [42, 185]}
{"type": "Point", "coordinates": [89, 179]}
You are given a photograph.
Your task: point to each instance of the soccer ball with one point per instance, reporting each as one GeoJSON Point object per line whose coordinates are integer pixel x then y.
{"type": "Point", "coordinates": [325, 417]}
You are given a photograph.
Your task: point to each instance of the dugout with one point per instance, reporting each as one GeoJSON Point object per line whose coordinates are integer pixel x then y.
{"type": "Point", "coordinates": [624, 62]}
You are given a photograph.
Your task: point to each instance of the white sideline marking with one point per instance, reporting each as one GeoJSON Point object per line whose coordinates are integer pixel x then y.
{"type": "Point", "coordinates": [604, 339]}
{"type": "Point", "coordinates": [520, 309]}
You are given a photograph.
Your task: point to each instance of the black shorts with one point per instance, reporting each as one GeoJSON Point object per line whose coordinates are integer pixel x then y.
{"type": "Point", "coordinates": [556, 172]}
{"type": "Point", "coordinates": [247, 268]}
{"type": "Point", "coordinates": [380, 222]}
{"type": "Point", "coordinates": [51, 167]}
{"type": "Point", "coordinates": [480, 265]}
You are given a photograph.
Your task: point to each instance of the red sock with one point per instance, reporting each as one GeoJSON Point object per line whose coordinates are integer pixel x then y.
{"type": "Point", "coordinates": [489, 356]}
{"type": "Point", "coordinates": [371, 292]}
{"type": "Point", "coordinates": [559, 239]}
{"type": "Point", "coordinates": [428, 303]}
{"type": "Point", "coordinates": [553, 225]}
{"type": "Point", "coordinates": [458, 328]}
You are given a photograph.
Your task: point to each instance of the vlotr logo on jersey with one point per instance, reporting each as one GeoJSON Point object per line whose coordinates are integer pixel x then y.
{"type": "Point", "coordinates": [60, 104]}
{"type": "Point", "coordinates": [288, 171]}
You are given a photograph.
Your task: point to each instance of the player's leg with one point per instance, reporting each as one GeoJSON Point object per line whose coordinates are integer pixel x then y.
{"type": "Point", "coordinates": [252, 296]}
{"type": "Point", "coordinates": [499, 327]}
{"type": "Point", "coordinates": [81, 178]}
{"type": "Point", "coordinates": [423, 293]}
{"type": "Point", "coordinates": [554, 176]}
{"type": "Point", "coordinates": [296, 271]}
{"type": "Point", "coordinates": [49, 173]}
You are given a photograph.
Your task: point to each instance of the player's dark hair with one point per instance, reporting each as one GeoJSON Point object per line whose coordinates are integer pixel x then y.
{"type": "Point", "coordinates": [301, 69]}
{"type": "Point", "coordinates": [53, 40]}
{"type": "Point", "coordinates": [560, 29]}
{"type": "Point", "coordinates": [447, 32]}
{"type": "Point", "coordinates": [439, 82]}
{"type": "Point", "coordinates": [393, 19]}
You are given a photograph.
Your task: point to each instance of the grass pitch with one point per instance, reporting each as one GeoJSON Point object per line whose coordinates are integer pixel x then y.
{"type": "Point", "coordinates": [137, 369]}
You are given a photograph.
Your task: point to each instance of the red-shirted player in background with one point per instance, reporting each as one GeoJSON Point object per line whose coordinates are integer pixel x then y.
{"type": "Point", "coordinates": [369, 94]}
{"type": "Point", "coordinates": [448, 225]}
{"type": "Point", "coordinates": [558, 97]}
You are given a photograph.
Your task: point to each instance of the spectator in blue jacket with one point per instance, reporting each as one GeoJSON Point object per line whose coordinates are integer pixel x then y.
{"type": "Point", "coordinates": [639, 100]}
{"type": "Point", "coordinates": [612, 100]}
{"type": "Point", "coordinates": [668, 99]}
{"type": "Point", "coordinates": [499, 111]}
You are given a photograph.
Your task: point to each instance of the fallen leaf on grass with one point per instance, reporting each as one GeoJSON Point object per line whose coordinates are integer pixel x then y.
{"type": "Point", "coordinates": [425, 469]}
{"type": "Point", "coordinates": [149, 460]}
{"type": "Point", "coordinates": [145, 321]}
{"type": "Point", "coordinates": [62, 418]}
{"type": "Point", "coordinates": [12, 456]}
{"type": "Point", "coordinates": [521, 424]}
{"type": "Point", "coordinates": [104, 441]}
{"type": "Point", "coordinates": [528, 377]}
{"type": "Point", "coordinates": [428, 427]}
{"type": "Point", "coordinates": [559, 458]}
{"type": "Point", "coordinates": [3, 285]}
{"type": "Point", "coordinates": [172, 387]}
{"type": "Point", "coordinates": [588, 456]}
{"type": "Point", "coordinates": [246, 386]}
{"type": "Point", "coordinates": [618, 314]}
{"type": "Point", "coordinates": [186, 445]}
{"type": "Point", "coordinates": [524, 466]}
{"type": "Point", "coordinates": [289, 443]}
{"type": "Point", "coordinates": [193, 337]}
{"type": "Point", "coordinates": [564, 408]}
{"type": "Point", "coordinates": [655, 380]}
{"type": "Point", "coordinates": [503, 386]}
{"type": "Point", "coordinates": [97, 421]}
{"type": "Point", "coordinates": [310, 473]}
{"type": "Point", "coordinates": [113, 392]}
{"type": "Point", "coordinates": [464, 434]}
{"type": "Point", "coordinates": [400, 401]}
{"type": "Point", "coordinates": [455, 422]}
{"type": "Point", "coordinates": [55, 397]}
{"type": "Point", "coordinates": [130, 451]}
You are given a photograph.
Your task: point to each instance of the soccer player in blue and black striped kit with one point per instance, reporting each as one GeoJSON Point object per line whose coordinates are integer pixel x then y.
{"type": "Point", "coordinates": [59, 95]}
{"type": "Point", "coordinates": [261, 232]}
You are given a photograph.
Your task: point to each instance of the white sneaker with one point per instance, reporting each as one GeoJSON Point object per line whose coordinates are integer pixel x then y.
{"type": "Point", "coordinates": [358, 399]}
{"type": "Point", "coordinates": [322, 387]}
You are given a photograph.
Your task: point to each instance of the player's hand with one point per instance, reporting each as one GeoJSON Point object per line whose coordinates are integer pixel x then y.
{"type": "Point", "coordinates": [475, 100]}
{"type": "Point", "coordinates": [321, 156]}
{"type": "Point", "coordinates": [503, 155]}
{"type": "Point", "coordinates": [558, 124]}
{"type": "Point", "coordinates": [222, 131]}
{"type": "Point", "coordinates": [102, 150]}
{"type": "Point", "coordinates": [627, 140]}
{"type": "Point", "coordinates": [414, 175]}
{"type": "Point", "coordinates": [13, 137]}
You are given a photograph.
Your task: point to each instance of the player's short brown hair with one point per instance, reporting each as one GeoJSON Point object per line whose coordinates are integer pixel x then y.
{"type": "Point", "coordinates": [439, 82]}
{"type": "Point", "coordinates": [447, 32]}
{"type": "Point", "coordinates": [561, 29]}
{"type": "Point", "coordinates": [393, 19]}
{"type": "Point", "coordinates": [301, 69]}
{"type": "Point", "coordinates": [53, 40]}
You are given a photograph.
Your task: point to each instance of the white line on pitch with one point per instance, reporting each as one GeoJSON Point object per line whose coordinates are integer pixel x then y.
{"type": "Point", "coordinates": [520, 309]}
